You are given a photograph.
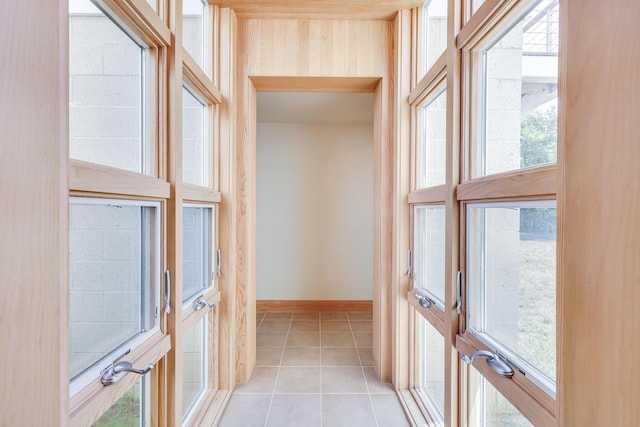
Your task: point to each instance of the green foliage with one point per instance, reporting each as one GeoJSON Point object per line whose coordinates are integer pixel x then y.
{"type": "Point", "coordinates": [538, 138]}
{"type": "Point", "coordinates": [124, 413]}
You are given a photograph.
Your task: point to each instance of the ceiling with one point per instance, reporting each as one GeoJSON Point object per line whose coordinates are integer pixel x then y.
{"type": "Point", "coordinates": [307, 107]}
{"type": "Point", "coordinates": [358, 9]}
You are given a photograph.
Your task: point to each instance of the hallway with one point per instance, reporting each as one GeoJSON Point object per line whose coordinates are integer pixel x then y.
{"type": "Point", "coordinates": [314, 369]}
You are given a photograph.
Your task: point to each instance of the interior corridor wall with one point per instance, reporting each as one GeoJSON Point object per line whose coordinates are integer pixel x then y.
{"type": "Point", "coordinates": [314, 211]}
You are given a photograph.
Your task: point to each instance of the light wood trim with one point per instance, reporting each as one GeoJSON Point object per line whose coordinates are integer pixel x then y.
{"type": "Point", "coordinates": [174, 234]}
{"type": "Point", "coordinates": [316, 47]}
{"type": "Point", "coordinates": [315, 84]}
{"type": "Point", "coordinates": [400, 176]}
{"type": "Point", "coordinates": [327, 9]}
{"type": "Point", "coordinates": [313, 306]}
{"type": "Point", "coordinates": [413, 41]}
{"type": "Point", "coordinates": [452, 225]}
{"type": "Point", "coordinates": [411, 408]}
{"type": "Point", "coordinates": [599, 233]}
{"type": "Point", "coordinates": [429, 195]}
{"type": "Point", "coordinates": [95, 399]}
{"type": "Point", "coordinates": [433, 314]}
{"type": "Point", "coordinates": [226, 211]}
{"type": "Point", "coordinates": [244, 215]}
{"type": "Point", "coordinates": [198, 79]}
{"type": "Point", "coordinates": [433, 79]}
{"type": "Point", "coordinates": [139, 15]}
{"type": "Point", "coordinates": [89, 177]}
{"type": "Point", "coordinates": [532, 402]}
{"type": "Point", "coordinates": [533, 182]}
{"type": "Point", "coordinates": [426, 409]}
{"type": "Point", "coordinates": [483, 21]}
{"type": "Point", "coordinates": [34, 251]}
{"type": "Point", "coordinates": [211, 409]}
{"type": "Point", "coordinates": [195, 193]}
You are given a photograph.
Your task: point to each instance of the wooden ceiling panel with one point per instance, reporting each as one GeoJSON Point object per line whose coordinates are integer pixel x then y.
{"type": "Point", "coordinates": [330, 9]}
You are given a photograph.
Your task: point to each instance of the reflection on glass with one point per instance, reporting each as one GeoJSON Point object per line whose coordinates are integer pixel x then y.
{"type": "Point", "coordinates": [521, 89]}
{"type": "Point", "coordinates": [106, 85]}
{"type": "Point", "coordinates": [490, 408]}
{"type": "Point", "coordinates": [196, 250]}
{"type": "Point", "coordinates": [194, 365]}
{"type": "Point", "coordinates": [432, 149]}
{"type": "Point", "coordinates": [194, 147]}
{"type": "Point", "coordinates": [434, 32]}
{"type": "Point", "coordinates": [431, 369]}
{"type": "Point", "coordinates": [111, 278]}
{"type": "Point", "coordinates": [193, 30]}
{"type": "Point", "coordinates": [512, 278]}
{"type": "Point", "coordinates": [429, 250]}
{"type": "Point", "coordinates": [127, 411]}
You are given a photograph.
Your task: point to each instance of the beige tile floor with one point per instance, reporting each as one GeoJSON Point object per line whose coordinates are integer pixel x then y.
{"type": "Point", "coordinates": [314, 369]}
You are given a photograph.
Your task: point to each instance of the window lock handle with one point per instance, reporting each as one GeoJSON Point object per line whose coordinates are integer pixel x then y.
{"type": "Point", "coordinates": [117, 371]}
{"type": "Point", "coordinates": [498, 365]}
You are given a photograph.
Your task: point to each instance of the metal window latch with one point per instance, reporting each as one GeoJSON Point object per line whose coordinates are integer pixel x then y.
{"type": "Point", "coordinates": [409, 264]}
{"type": "Point", "coordinates": [498, 365]}
{"type": "Point", "coordinates": [167, 291]}
{"type": "Point", "coordinates": [218, 263]}
{"type": "Point", "coordinates": [119, 368]}
{"type": "Point", "coordinates": [199, 304]}
{"type": "Point", "coordinates": [459, 290]}
{"type": "Point", "coordinates": [423, 301]}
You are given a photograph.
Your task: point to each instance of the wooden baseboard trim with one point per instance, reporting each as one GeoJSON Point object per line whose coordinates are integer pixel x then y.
{"type": "Point", "coordinates": [292, 306]}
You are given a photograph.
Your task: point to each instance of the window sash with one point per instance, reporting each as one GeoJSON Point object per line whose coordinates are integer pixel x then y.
{"type": "Point", "coordinates": [424, 236]}
{"type": "Point", "coordinates": [149, 291]}
{"type": "Point", "coordinates": [205, 252]}
{"type": "Point", "coordinates": [477, 310]}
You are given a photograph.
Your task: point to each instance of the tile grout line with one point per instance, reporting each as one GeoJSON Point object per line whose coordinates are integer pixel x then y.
{"type": "Point", "coordinates": [275, 383]}
{"type": "Point", "coordinates": [366, 382]}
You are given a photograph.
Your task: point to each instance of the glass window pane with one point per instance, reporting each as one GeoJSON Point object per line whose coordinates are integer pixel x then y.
{"type": "Point", "coordinates": [112, 277]}
{"type": "Point", "coordinates": [194, 147]}
{"type": "Point", "coordinates": [194, 371]}
{"type": "Point", "coordinates": [512, 279]}
{"type": "Point", "coordinates": [429, 250]}
{"type": "Point", "coordinates": [432, 149]}
{"type": "Point", "coordinates": [434, 32]}
{"type": "Point", "coordinates": [106, 91]}
{"type": "Point", "coordinates": [520, 95]}
{"type": "Point", "coordinates": [431, 370]}
{"type": "Point", "coordinates": [130, 410]}
{"type": "Point", "coordinates": [489, 408]}
{"type": "Point", "coordinates": [197, 268]}
{"type": "Point", "coordinates": [193, 31]}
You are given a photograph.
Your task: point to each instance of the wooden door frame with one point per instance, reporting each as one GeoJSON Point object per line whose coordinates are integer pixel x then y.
{"type": "Point", "coordinates": [246, 212]}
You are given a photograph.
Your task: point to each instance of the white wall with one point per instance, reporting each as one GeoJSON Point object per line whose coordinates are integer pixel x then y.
{"type": "Point", "coordinates": [314, 211]}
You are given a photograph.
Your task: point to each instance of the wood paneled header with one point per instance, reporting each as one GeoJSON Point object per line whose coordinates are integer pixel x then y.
{"type": "Point", "coordinates": [314, 47]}
{"type": "Point", "coordinates": [346, 9]}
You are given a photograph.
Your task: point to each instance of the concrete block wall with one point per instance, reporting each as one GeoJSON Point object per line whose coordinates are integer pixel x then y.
{"type": "Point", "coordinates": [193, 363]}
{"type": "Point", "coordinates": [433, 375]}
{"type": "Point", "coordinates": [429, 247]}
{"type": "Point", "coordinates": [192, 251]}
{"type": "Point", "coordinates": [105, 280]}
{"type": "Point", "coordinates": [436, 38]}
{"type": "Point", "coordinates": [192, 33]}
{"type": "Point", "coordinates": [193, 141]}
{"type": "Point", "coordinates": [435, 161]}
{"type": "Point", "coordinates": [105, 94]}
{"type": "Point", "coordinates": [503, 103]}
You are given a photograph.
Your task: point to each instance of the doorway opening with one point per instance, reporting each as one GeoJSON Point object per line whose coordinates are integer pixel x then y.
{"type": "Point", "coordinates": [315, 187]}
